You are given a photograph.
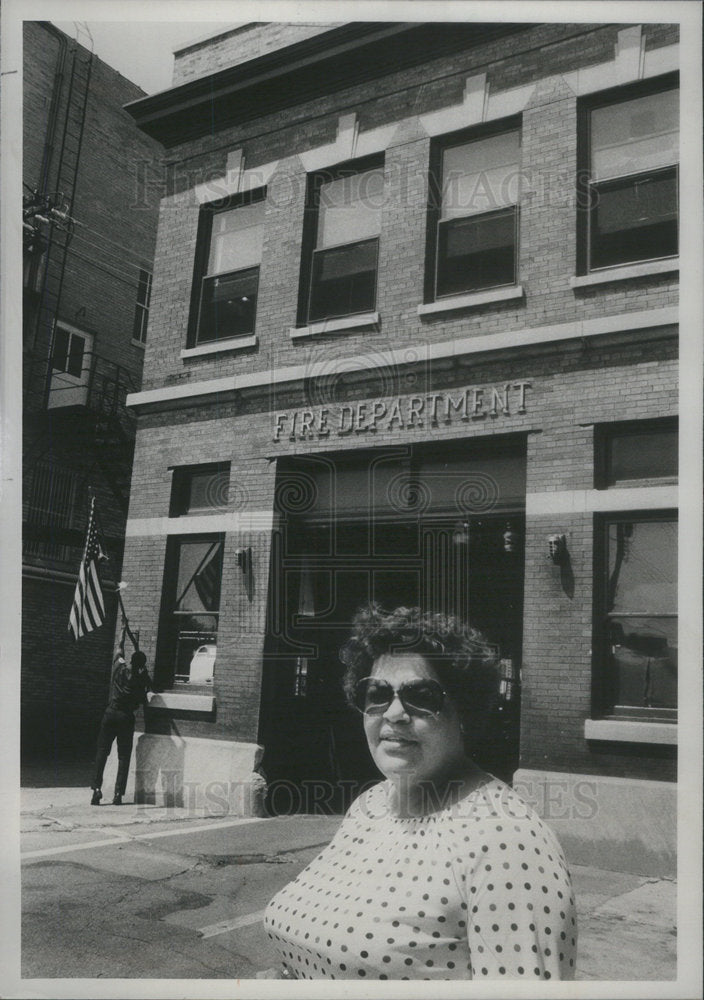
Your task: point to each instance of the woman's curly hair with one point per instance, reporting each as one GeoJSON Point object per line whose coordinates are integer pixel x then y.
{"type": "Point", "coordinates": [463, 659]}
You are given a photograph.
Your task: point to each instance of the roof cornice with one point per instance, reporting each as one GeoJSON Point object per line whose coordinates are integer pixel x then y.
{"type": "Point", "coordinates": [342, 57]}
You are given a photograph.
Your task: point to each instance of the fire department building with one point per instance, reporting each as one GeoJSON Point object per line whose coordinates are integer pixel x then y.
{"type": "Point", "coordinates": [413, 339]}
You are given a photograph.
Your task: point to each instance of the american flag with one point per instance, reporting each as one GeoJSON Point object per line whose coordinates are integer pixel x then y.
{"type": "Point", "coordinates": [88, 608]}
{"type": "Point", "coordinates": [207, 578]}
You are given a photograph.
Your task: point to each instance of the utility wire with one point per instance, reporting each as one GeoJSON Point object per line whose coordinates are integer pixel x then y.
{"type": "Point", "coordinates": [107, 239]}
{"type": "Point", "coordinates": [128, 264]}
{"type": "Point", "coordinates": [123, 276]}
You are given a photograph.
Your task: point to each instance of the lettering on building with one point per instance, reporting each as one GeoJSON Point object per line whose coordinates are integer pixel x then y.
{"type": "Point", "coordinates": [399, 413]}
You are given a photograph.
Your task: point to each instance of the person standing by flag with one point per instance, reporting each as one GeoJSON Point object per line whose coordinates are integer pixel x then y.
{"type": "Point", "coordinates": [128, 690]}
{"type": "Point", "coordinates": [128, 685]}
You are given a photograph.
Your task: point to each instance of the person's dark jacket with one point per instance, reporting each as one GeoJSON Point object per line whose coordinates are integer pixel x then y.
{"type": "Point", "coordinates": [129, 687]}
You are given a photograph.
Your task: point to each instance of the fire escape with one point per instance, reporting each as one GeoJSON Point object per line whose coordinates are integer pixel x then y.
{"type": "Point", "coordinates": [70, 393]}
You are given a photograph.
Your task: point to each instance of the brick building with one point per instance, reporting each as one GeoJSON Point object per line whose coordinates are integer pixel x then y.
{"type": "Point", "coordinates": [414, 338]}
{"type": "Point", "coordinates": [89, 233]}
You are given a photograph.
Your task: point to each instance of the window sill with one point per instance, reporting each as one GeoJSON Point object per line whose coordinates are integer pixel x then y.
{"type": "Point", "coordinates": [139, 343]}
{"type": "Point", "coordinates": [357, 322]}
{"type": "Point", "coordinates": [219, 346]}
{"type": "Point", "coordinates": [176, 700]}
{"type": "Point", "coordinates": [454, 302]}
{"type": "Point", "coordinates": [624, 272]}
{"type": "Point", "coordinates": [631, 731]}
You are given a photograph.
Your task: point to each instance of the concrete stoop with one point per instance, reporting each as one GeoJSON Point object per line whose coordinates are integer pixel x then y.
{"type": "Point", "coordinates": [218, 776]}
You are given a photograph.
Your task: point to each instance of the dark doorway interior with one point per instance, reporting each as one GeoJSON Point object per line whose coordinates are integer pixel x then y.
{"type": "Point", "coordinates": [316, 757]}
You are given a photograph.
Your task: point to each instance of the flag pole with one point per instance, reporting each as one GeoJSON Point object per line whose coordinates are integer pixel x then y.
{"type": "Point", "coordinates": [125, 619]}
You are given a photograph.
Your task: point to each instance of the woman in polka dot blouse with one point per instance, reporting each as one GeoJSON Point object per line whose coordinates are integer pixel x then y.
{"type": "Point", "coordinates": [441, 871]}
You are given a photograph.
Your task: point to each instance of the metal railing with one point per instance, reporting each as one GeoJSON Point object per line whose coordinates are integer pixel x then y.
{"type": "Point", "coordinates": [96, 383]}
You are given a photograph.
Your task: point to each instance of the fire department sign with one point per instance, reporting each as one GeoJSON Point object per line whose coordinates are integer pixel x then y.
{"type": "Point", "coordinates": [401, 412]}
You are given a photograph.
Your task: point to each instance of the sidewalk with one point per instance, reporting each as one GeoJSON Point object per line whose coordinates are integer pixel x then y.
{"type": "Point", "coordinates": [626, 922]}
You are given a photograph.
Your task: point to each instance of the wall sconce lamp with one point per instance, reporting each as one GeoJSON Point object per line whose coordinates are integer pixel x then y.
{"type": "Point", "coordinates": [460, 533]}
{"type": "Point", "coordinates": [510, 538]}
{"type": "Point", "coordinates": [244, 561]}
{"type": "Point", "coordinates": [557, 549]}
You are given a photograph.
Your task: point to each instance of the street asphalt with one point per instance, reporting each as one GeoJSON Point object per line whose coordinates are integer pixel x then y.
{"type": "Point", "coordinates": [146, 892]}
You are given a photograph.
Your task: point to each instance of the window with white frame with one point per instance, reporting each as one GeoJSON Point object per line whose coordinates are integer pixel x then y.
{"type": "Point", "coordinates": [473, 226]}
{"type": "Point", "coordinates": [69, 352]}
{"type": "Point", "coordinates": [341, 244]}
{"type": "Point", "coordinates": [226, 282]}
{"type": "Point", "coordinates": [630, 152]}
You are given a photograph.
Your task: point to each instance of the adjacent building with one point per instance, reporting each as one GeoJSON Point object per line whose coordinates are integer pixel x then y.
{"type": "Point", "coordinates": [89, 233]}
{"type": "Point", "coordinates": [413, 339]}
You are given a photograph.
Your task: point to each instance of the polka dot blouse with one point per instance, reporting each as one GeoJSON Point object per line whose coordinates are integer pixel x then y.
{"type": "Point", "coordinates": [478, 890]}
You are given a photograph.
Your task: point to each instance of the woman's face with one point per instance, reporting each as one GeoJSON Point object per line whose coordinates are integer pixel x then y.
{"type": "Point", "coordinates": [409, 745]}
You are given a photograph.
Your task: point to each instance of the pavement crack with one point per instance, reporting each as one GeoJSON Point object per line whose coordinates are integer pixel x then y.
{"type": "Point", "coordinates": [278, 858]}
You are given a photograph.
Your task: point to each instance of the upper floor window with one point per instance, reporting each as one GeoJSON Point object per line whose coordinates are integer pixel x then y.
{"type": "Point", "coordinates": [197, 489]}
{"type": "Point", "coordinates": [341, 243]}
{"type": "Point", "coordinates": [630, 153]}
{"type": "Point", "coordinates": [141, 309]}
{"type": "Point", "coordinates": [473, 230]}
{"type": "Point", "coordinates": [68, 352]}
{"type": "Point", "coordinates": [51, 502]}
{"type": "Point", "coordinates": [636, 452]}
{"type": "Point", "coordinates": [224, 303]}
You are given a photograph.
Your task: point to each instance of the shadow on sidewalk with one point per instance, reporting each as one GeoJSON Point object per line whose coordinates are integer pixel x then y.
{"type": "Point", "coordinates": [69, 771]}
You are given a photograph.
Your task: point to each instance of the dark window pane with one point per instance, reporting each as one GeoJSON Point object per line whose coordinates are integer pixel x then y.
{"type": "Point", "coordinates": [650, 455]}
{"type": "Point", "coordinates": [208, 489]}
{"type": "Point", "coordinates": [59, 358]}
{"type": "Point", "coordinates": [229, 305]}
{"type": "Point", "coordinates": [476, 252]}
{"type": "Point", "coordinates": [642, 567]}
{"type": "Point", "coordinates": [200, 488]}
{"type": "Point", "coordinates": [76, 349]}
{"type": "Point", "coordinates": [139, 325]}
{"type": "Point", "coordinates": [643, 662]}
{"type": "Point", "coordinates": [343, 280]}
{"type": "Point", "coordinates": [141, 309]}
{"type": "Point", "coordinates": [634, 219]}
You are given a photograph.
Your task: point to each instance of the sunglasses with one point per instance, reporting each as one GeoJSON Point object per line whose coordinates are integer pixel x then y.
{"type": "Point", "coordinates": [421, 698]}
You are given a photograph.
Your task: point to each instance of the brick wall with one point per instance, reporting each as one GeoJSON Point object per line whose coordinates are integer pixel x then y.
{"type": "Point", "coordinates": [115, 213]}
{"type": "Point", "coordinates": [64, 683]}
{"type": "Point", "coordinates": [570, 389]}
{"type": "Point", "coordinates": [247, 41]}
{"type": "Point", "coordinates": [548, 213]}
{"type": "Point", "coordinates": [573, 386]}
